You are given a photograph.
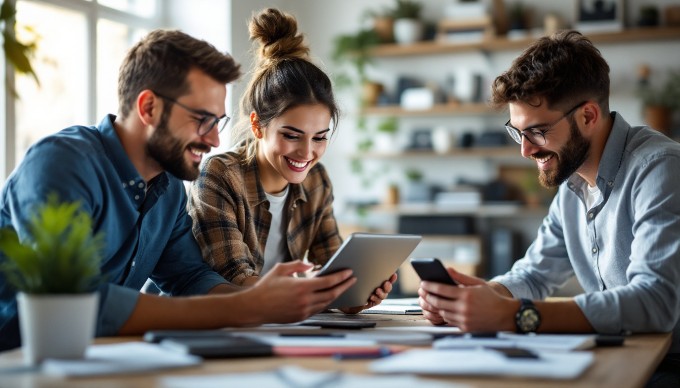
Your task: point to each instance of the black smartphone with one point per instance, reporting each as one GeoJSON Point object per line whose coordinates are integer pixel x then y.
{"type": "Point", "coordinates": [432, 270]}
{"type": "Point", "coordinates": [156, 336]}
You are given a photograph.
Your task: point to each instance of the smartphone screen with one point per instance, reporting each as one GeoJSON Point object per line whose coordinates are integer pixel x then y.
{"type": "Point", "coordinates": [432, 270]}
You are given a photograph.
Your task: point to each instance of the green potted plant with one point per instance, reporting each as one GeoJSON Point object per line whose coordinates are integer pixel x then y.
{"type": "Point", "coordinates": [408, 28]}
{"type": "Point", "coordinates": [56, 270]}
{"type": "Point", "coordinates": [659, 102]}
{"type": "Point", "coordinates": [385, 137]}
{"type": "Point", "coordinates": [416, 189]}
{"type": "Point", "coordinates": [353, 51]}
{"type": "Point", "coordinates": [383, 23]}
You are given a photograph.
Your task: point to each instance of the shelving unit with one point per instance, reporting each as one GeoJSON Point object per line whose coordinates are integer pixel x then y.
{"type": "Point", "coordinates": [488, 153]}
{"type": "Point", "coordinates": [451, 109]}
{"type": "Point", "coordinates": [483, 211]}
{"type": "Point", "coordinates": [626, 36]}
{"type": "Point", "coordinates": [487, 218]}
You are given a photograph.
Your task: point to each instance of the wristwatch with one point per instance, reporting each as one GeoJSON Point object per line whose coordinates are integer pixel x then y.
{"type": "Point", "coordinates": [527, 318]}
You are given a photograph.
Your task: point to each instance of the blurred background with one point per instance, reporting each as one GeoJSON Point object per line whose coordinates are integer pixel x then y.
{"type": "Point", "coordinates": [417, 148]}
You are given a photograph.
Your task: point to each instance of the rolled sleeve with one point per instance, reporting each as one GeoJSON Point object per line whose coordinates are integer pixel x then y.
{"type": "Point", "coordinates": [116, 304]}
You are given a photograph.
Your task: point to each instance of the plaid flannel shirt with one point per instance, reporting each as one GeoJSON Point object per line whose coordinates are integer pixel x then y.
{"type": "Point", "coordinates": [231, 216]}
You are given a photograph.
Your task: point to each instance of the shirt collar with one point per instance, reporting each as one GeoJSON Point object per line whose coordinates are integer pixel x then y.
{"type": "Point", "coordinates": [611, 158]}
{"type": "Point", "coordinates": [128, 176]}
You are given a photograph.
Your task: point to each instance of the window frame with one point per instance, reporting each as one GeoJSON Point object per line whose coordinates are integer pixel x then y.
{"type": "Point", "coordinates": [93, 12]}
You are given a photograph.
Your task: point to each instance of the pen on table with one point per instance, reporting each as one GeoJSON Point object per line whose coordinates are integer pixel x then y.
{"type": "Point", "coordinates": [376, 353]}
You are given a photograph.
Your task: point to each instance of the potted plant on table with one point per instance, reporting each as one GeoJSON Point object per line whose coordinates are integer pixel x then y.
{"type": "Point", "coordinates": [56, 271]}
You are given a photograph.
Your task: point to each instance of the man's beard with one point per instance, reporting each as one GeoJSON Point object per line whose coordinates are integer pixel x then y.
{"type": "Point", "coordinates": [569, 158]}
{"type": "Point", "coordinates": [168, 151]}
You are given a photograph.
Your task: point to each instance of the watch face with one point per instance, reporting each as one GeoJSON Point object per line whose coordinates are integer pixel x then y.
{"type": "Point", "coordinates": [529, 320]}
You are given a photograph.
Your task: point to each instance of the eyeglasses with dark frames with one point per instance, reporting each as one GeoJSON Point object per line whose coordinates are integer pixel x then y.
{"type": "Point", "coordinates": [536, 135]}
{"type": "Point", "coordinates": [206, 120]}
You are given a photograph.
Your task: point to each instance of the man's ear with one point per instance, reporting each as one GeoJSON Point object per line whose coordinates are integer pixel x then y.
{"type": "Point", "coordinates": [149, 107]}
{"type": "Point", "coordinates": [255, 125]}
{"type": "Point", "coordinates": [592, 114]}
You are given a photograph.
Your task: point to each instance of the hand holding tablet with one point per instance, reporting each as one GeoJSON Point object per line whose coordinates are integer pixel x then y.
{"type": "Point", "coordinates": [373, 258]}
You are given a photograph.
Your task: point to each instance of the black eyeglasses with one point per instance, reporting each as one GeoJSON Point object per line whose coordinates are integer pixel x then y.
{"type": "Point", "coordinates": [536, 136]}
{"type": "Point", "coordinates": [206, 120]}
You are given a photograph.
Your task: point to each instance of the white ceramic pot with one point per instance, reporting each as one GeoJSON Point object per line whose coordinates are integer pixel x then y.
{"type": "Point", "coordinates": [56, 326]}
{"type": "Point", "coordinates": [385, 143]}
{"type": "Point", "coordinates": [442, 141]}
{"type": "Point", "coordinates": [407, 31]}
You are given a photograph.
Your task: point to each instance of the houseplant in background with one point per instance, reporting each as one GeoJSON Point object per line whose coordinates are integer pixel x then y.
{"type": "Point", "coordinates": [351, 55]}
{"type": "Point", "coordinates": [659, 102]}
{"type": "Point", "coordinates": [17, 54]}
{"type": "Point", "coordinates": [353, 51]}
{"type": "Point", "coordinates": [383, 23]}
{"type": "Point", "coordinates": [56, 271]}
{"type": "Point", "coordinates": [408, 28]}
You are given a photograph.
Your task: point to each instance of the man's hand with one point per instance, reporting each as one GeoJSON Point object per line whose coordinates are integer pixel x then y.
{"type": "Point", "coordinates": [472, 306]}
{"type": "Point", "coordinates": [278, 297]}
{"type": "Point", "coordinates": [376, 298]}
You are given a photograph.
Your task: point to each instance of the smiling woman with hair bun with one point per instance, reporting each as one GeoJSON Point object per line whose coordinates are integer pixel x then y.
{"type": "Point", "coordinates": [269, 200]}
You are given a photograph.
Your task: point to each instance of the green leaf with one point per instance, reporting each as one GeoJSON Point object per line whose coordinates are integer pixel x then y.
{"type": "Point", "coordinates": [60, 255]}
{"type": "Point", "coordinates": [18, 54]}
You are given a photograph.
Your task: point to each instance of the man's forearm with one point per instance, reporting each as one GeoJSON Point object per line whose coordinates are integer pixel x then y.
{"type": "Point", "coordinates": [563, 316]}
{"type": "Point", "coordinates": [202, 312]}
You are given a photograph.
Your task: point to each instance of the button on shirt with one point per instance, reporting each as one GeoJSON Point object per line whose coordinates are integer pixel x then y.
{"type": "Point", "coordinates": [147, 230]}
{"type": "Point", "coordinates": [625, 251]}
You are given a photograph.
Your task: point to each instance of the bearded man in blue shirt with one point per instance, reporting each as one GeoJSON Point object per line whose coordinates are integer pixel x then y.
{"type": "Point", "coordinates": [614, 223]}
{"type": "Point", "coordinates": [127, 174]}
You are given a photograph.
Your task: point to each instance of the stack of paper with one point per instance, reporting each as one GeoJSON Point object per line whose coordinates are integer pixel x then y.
{"type": "Point", "coordinates": [398, 306]}
{"type": "Point", "coordinates": [127, 357]}
{"type": "Point", "coordinates": [552, 365]}
{"type": "Point", "coordinates": [560, 342]}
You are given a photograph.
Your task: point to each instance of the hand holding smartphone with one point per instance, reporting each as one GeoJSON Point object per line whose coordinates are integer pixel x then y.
{"type": "Point", "coordinates": [432, 270]}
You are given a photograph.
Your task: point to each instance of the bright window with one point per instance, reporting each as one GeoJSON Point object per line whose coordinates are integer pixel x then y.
{"type": "Point", "coordinates": [61, 65]}
{"type": "Point", "coordinates": [80, 45]}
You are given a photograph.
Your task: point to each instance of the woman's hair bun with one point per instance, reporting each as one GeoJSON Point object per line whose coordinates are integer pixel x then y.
{"type": "Point", "coordinates": [278, 36]}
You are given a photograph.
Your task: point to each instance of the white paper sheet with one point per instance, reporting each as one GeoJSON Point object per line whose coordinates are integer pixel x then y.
{"type": "Point", "coordinates": [560, 342]}
{"type": "Point", "coordinates": [293, 376]}
{"type": "Point", "coordinates": [127, 357]}
{"type": "Point", "coordinates": [551, 365]}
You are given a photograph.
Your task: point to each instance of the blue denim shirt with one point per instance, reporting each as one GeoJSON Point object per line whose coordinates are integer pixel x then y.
{"type": "Point", "coordinates": [625, 250]}
{"type": "Point", "coordinates": [147, 234]}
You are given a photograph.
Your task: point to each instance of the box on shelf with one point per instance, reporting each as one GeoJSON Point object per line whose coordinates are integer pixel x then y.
{"type": "Point", "coordinates": [468, 30]}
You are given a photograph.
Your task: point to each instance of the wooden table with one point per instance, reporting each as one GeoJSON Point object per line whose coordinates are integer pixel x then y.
{"type": "Point", "coordinates": [627, 366]}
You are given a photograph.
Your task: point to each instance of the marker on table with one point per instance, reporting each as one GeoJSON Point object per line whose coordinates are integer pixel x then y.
{"type": "Point", "coordinates": [368, 354]}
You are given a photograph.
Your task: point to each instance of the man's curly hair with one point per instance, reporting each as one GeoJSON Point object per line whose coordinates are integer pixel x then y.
{"type": "Point", "coordinates": [561, 70]}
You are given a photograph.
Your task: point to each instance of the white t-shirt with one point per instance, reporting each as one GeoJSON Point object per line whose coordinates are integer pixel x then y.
{"type": "Point", "coordinates": [592, 196]}
{"type": "Point", "coordinates": [275, 248]}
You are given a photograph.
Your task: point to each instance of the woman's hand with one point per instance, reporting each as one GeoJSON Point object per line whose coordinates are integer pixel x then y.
{"type": "Point", "coordinates": [376, 298]}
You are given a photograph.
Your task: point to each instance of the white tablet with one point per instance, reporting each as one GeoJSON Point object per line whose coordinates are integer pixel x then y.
{"type": "Point", "coordinates": [373, 258]}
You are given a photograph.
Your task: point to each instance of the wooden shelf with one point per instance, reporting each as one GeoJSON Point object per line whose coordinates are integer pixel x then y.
{"type": "Point", "coordinates": [502, 152]}
{"type": "Point", "coordinates": [504, 44]}
{"type": "Point", "coordinates": [483, 211]}
{"type": "Point", "coordinates": [453, 109]}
